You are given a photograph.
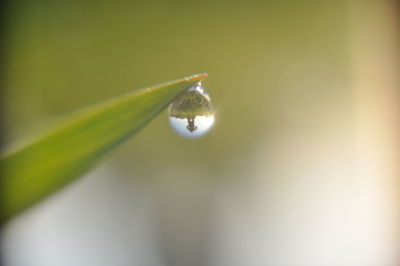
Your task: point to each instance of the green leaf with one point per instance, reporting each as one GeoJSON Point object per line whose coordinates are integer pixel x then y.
{"type": "Point", "coordinates": [49, 163]}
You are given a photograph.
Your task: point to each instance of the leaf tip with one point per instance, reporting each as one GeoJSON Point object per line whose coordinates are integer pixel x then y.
{"type": "Point", "coordinates": [199, 77]}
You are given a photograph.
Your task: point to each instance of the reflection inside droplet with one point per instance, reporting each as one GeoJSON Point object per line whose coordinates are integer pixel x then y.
{"type": "Point", "coordinates": [192, 114]}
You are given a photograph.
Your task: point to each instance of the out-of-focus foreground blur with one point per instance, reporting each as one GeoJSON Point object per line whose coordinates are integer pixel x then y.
{"type": "Point", "coordinates": [300, 169]}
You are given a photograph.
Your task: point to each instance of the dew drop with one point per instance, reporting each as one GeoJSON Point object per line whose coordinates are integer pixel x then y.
{"type": "Point", "coordinates": [191, 115]}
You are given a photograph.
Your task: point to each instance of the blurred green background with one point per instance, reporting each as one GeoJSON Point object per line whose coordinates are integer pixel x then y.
{"type": "Point", "coordinates": [65, 55]}
{"type": "Point", "coordinates": [271, 184]}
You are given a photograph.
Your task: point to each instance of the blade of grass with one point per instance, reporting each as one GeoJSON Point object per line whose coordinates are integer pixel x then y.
{"type": "Point", "coordinates": [49, 163]}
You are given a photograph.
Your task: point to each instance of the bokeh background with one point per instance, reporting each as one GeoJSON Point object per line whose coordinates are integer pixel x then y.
{"type": "Point", "coordinates": [301, 167]}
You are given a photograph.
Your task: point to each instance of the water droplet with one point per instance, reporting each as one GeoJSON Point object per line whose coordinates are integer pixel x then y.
{"type": "Point", "coordinates": [192, 115]}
